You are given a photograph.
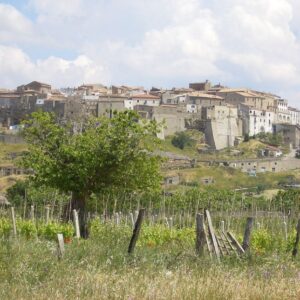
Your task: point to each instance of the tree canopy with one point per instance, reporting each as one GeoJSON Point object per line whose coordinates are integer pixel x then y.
{"type": "Point", "coordinates": [109, 154]}
{"type": "Point", "coordinates": [114, 153]}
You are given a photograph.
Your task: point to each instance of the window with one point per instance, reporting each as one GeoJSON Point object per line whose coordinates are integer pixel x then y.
{"type": "Point", "coordinates": [273, 169]}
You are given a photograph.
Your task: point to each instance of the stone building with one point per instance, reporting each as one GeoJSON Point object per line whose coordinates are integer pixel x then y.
{"type": "Point", "coordinates": [200, 86]}
{"type": "Point", "coordinates": [174, 117]}
{"type": "Point", "coordinates": [36, 86]}
{"type": "Point", "coordinates": [221, 126]}
{"type": "Point", "coordinates": [291, 134]}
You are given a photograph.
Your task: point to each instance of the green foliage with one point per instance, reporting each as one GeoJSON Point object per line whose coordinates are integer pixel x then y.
{"type": "Point", "coordinates": [270, 138]}
{"type": "Point", "coordinates": [27, 228]}
{"type": "Point", "coordinates": [288, 200]}
{"type": "Point", "coordinates": [50, 230]}
{"type": "Point", "coordinates": [181, 140]}
{"type": "Point", "coordinates": [246, 137]}
{"type": "Point", "coordinates": [16, 193]}
{"type": "Point", "coordinates": [109, 154]}
{"type": "Point", "coordinates": [33, 194]}
{"type": "Point", "coordinates": [5, 227]}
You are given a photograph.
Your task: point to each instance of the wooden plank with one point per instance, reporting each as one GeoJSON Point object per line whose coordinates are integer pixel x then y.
{"type": "Point", "coordinates": [230, 244]}
{"type": "Point", "coordinates": [225, 243]}
{"type": "Point", "coordinates": [247, 234]}
{"type": "Point", "coordinates": [200, 234]}
{"type": "Point", "coordinates": [209, 248]}
{"type": "Point", "coordinates": [136, 230]}
{"type": "Point", "coordinates": [220, 245]}
{"type": "Point", "coordinates": [212, 235]}
{"type": "Point", "coordinates": [236, 243]}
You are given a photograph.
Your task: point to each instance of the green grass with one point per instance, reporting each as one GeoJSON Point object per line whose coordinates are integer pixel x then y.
{"type": "Point", "coordinates": [5, 149]}
{"type": "Point", "coordinates": [229, 178]}
{"type": "Point", "coordinates": [100, 268]}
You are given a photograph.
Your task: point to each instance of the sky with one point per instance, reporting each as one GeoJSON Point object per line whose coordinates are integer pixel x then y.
{"type": "Point", "coordinates": [162, 43]}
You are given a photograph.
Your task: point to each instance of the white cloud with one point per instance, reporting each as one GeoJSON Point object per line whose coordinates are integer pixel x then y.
{"type": "Point", "coordinates": [13, 25]}
{"type": "Point", "coordinates": [17, 68]}
{"type": "Point", "coordinates": [246, 42]}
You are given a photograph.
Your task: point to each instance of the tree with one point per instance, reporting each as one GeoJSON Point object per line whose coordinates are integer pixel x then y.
{"type": "Point", "coordinates": [109, 154]}
{"type": "Point", "coordinates": [181, 139]}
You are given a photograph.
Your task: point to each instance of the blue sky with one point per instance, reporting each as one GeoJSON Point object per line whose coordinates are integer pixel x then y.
{"type": "Point", "coordinates": [163, 43]}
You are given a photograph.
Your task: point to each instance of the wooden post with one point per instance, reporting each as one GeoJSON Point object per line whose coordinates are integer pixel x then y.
{"type": "Point", "coordinates": [285, 230]}
{"type": "Point", "coordinates": [61, 245]}
{"type": "Point", "coordinates": [136, 230]}
{"type": "Point", "coordinates": [167, 222]}
{"type": "Point", "coordinates": [247, 234]}
{"type": "Point", "coordinates": [76, 223]}
{"type": "Point", "coordinates": [171, 223]}
{"type": "Point", "coordinates": [117, 219]}
{"type": "Point", "coordinates": [222, 226]}
{"type": "Point", "coordinates": [200, 234]}
{"type": "Point", "coordinates": [13, 217]}
{"type": "Point", "coordinates": [132, 219]}
{"type": "Point", "coordinates": [295, 250]}
{"type": "Point", "coordinates": [47, 214]}
{"type": "Point", "coordinates": [32, 212]}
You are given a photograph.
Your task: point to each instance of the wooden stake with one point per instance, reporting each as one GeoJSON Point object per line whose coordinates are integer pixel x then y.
{"type": "Point", "coordinates": [76, 223]}
{"type": "Point", "coordinates": [200, 234]}
{"type": "Point", "coordinates": [295, 250]}
{"type": "Point", "coordinates": [247, 234]}
{"type": "Point", "coordinates": [132, 219]}
{"type": "Point", "coordinates": [32, 212]}
{"type": "Point", "coordinates": [222, 226]}
{"type": "Point", "coordinates": [136, 230]}
{"type": "Point", "coordinates": [61, 245]}
{"type": "Point", "coordinates": [13, 217]}
{"type": "Point", "coordinates": [285, 230]}
{"type": "Point", "coordinates": [47, 214]}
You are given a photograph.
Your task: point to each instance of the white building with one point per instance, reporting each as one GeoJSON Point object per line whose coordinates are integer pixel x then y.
{"type": "Point", "coordinates": [256, 121]}
{"type": "Point", "coordinates": [141, 99]}
{"type": "Point", "coordinates": [294, 115]}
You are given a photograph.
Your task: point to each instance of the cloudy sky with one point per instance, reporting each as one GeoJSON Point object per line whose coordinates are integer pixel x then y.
{"type": "Point", "coordinates": [163, 43]}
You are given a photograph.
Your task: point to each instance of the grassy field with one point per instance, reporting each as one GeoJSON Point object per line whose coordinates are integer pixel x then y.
{"type": "Point", "coordinates": [227, 178]}
{"type": "Point", "coordinates": [100, 268]}
{"type": "Point", "coordinates": [6, 149]}
{"type": "Point", "coordinates": [246, 150]}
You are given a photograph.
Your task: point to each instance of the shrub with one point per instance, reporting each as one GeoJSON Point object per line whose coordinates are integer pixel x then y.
{"type": "Point", "coordinates": [181, 140]}
{"type": "Point", "coordinates": [50, 230]}
{"type": "Point", "coordinates": [27, 228]}
{"type": "Point", "coordinates": [5, 227]}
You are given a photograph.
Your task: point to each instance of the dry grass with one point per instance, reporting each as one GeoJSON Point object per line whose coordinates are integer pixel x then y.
{"type": "Point", "coordinates": [101, 269]}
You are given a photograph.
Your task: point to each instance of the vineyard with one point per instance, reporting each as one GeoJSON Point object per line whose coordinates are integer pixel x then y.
{"type": "Point", "coordinates": [164, 263]}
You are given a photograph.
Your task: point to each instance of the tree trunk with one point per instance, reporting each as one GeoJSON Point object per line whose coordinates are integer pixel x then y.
{"type": "Point", "coordinates": [78, 202]}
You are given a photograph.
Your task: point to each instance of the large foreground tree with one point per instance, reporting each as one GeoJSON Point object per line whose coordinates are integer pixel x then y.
{"type": "Point", "coordinates": [109, 154]}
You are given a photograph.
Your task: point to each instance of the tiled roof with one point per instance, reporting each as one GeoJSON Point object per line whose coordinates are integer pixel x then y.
{"type": "Point", "coordinates": [145, 96]}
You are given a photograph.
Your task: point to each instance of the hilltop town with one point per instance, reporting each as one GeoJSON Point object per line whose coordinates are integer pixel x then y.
{"type": "Point", "coordinates": [225, 116]}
